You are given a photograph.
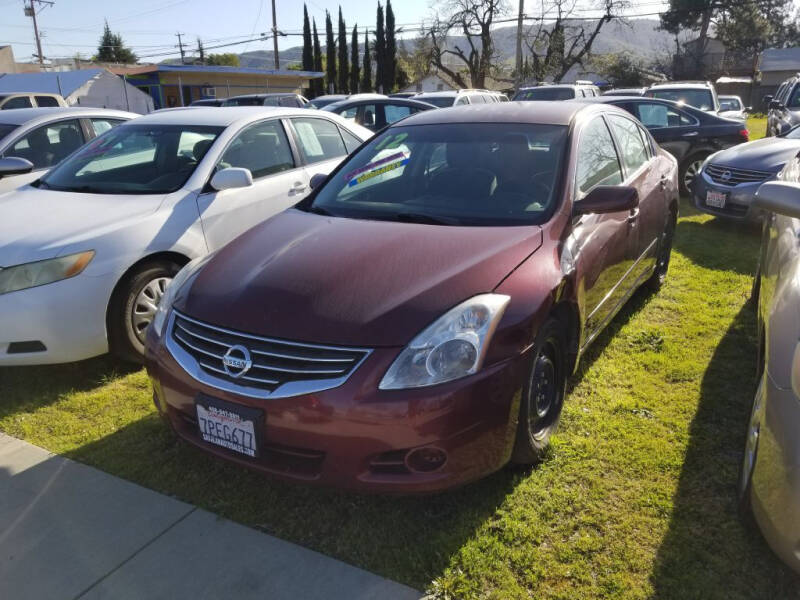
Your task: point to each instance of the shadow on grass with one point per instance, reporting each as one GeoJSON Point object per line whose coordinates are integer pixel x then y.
{"type": "Point", "coordinates": [707, 552]}
{"type": "Point", "coordinates": [737, 248]}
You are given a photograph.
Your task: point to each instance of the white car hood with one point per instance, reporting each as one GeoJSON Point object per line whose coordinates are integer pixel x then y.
{"type": "Point", "coordinates": [37, 224]}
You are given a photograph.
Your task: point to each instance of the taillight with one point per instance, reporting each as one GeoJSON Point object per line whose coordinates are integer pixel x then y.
{"type": "Point", "coordinates": [745, 134]}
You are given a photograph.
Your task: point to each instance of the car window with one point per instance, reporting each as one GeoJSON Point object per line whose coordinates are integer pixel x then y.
{"type": "Point", "coordinates": [18, 102]}
{"type": "Point", "coordinates": [794, 98]}
{"type": "Point", "coordinates": [459, 101]}
{"type": "Point", "coordinates": [6, 129]}
{"type": "Point", "coordinates": [597, 161]}
{"type": "Point", "coordinates": [395, 112]}
{"type": "Point", "coordinates": [782, 91]}
{"type": "Point", "coordinates": [349, 113]}
{"type": "Point", "coordinates": [661, 115]}
{"type": "Point", "coordinates": [262, 148]}
{"type": "Point", "coordinates": [100, 126]}
{"type": "Point", "coordinates": [289, 101]}
{"type": "Point", "coordinates": [369, 115]}
{"type": "Point", "coordinates": [699, 98]}
{"type": "Point", "coordinates": [46, 101]}
{"type": "Point", "coordinates": [631, 146]}
{"type": "Point", "coordinates": [545, 93]}
{"type": "Point", "coordinates": [729, 104]}
{"type": "Point", "coordinates": [318, 139]}
{"type": "Point", "coordinates": [351, 142]}
{"type": "Point", "coordinates": [49, 144]}
{"type": "Point", "coordinates": [134, 159]}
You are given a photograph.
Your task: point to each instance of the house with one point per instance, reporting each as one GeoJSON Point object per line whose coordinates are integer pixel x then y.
{"type": "Point", "coordinates": [180, 85]}
{"type": "Point", "coordinates": [98, 88]}
{"type": "Point", "coordinates": [8, 64]}
{"type": "Point", "coordinates": [775, 65]}
{"type": "Point", "coordinates": [430, 83]}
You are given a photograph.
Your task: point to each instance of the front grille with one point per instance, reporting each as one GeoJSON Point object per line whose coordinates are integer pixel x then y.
{"type": "Point", "coordinates": [730, 176]}
{"type": "Point", "coordinates": [274, 362]}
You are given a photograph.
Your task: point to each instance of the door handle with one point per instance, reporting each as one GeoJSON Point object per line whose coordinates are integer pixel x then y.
{"type": "Point", "coordinates": [690, 134]}
{"type": "Point", "coordinates": [633, 216]}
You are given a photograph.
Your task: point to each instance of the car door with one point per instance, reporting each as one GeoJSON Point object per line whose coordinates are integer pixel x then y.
{"type": "Point", "coordinates": [675, 130]}
{"type": "Point", "coordinates": [278, 182]}
{"type": "Point", "coordinates": [319, 143]}
{"type": "Point", "coordinates": [641, 172]}
{"type": "Point", "coordinates": [602, 246]}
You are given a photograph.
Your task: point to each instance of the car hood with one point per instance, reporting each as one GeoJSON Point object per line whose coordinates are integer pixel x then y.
{"type": "Point", "coordinates": [36, 224]}
{"type": "Point", "coordinates": [767, 154]}
{"type": "Point", "coordinates": [310, 278]}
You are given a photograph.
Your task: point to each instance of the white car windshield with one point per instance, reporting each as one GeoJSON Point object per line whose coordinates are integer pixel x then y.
{"type": "Point", "coordinates": [134, 159]}
{"type": "Point", "coordinates": [699, 98]}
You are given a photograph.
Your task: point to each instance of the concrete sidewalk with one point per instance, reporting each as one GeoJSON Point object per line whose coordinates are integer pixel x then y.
{"type": "Point", "coordinates": [69, 531]}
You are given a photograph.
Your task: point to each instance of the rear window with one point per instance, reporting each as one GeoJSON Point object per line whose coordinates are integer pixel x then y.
{"type": "Point", "coordinates": [699, 98]}
{"type": "Point", "coordinates": [545, 93]}
{"type": "Point", "coordinates": [440, 101]}
{"type": "Point", "coordinates": [46, 101]}
{"type": "Point", "coordinates": [244, 102]}
{"type": "Point", "coordinates": [6, 129]}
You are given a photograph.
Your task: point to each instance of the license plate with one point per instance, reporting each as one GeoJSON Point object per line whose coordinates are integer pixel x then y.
{"type": "Point", "coordinates": [229, 425]}
{"type": "Point", "coordinates": [716, 199]}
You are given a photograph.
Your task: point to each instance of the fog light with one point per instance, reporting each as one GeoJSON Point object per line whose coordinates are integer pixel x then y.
{"type": "Point", "coordinates": [426, 460]}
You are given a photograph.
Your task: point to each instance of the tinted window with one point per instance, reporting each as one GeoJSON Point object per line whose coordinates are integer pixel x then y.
{"type": "Point", "coordinates": [45, 101]}
{"type": "Point", "coordinates": [597, 159]}
{"type": "Point", "coordinates": [289, 101]}
{"type": "Point", "coordinates": [702, 99]}
{"type": "Point", "coordinates": [368, 115]}
{"type": "Point", "coordinates": [244, 102]}
{"type": "Point", "coordinates": [262, 148]}
{"type": "Point", "coordinates": [318, 139]}
{"type": "Point", "coordinates": [545, 93]}
{"type": "Point", "coordinates": [351, 142]}
{"type": "Point", "coordinates": [102, 125]}
{"type": "Point", "coordinates": [440, 101]}
{"type": "Point", "coordinates": [6, 129]}
{"type": "Point", "coordinates": [393, 112]}
{"type": "Point", "coordinates": [661, 115]}
{"type": "Point", "coordinates": [135, 159]}
{"type": "Point", "coordinates": [794, 98]}
{"type": "Point", "coordinates": [49, 144]}
{"type": "Point", "coordinates": [631, 146]}
{"type": "Point", "coordinates": [484, 174]}
{"type": "Point", "coordinates": [18, 102]}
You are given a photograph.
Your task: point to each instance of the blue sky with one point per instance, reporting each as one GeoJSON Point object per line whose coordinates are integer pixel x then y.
{"type": "Point", "coordinates": [149, 26]}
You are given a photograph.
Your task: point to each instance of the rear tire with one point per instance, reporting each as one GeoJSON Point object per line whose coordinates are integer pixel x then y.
{"type": "Point", "coordinates": [689, 169]}
{"type": "Point", "coordinates": [543, 394]}
{"type": "Point", "coordinates": [133, 305]}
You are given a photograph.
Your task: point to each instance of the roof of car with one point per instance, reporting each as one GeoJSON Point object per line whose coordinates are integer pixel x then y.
{"type": "Point", "coordinates": [549, 113]}
{"type": "Point", "coordinates": [342, 104]}
{"type": "Point", "coordinates": [216, 115]}
{"type": "Point", "coordinates": [681, 85]}
{"type": "Point", "coordinates": [18, 116]}
{"type": "Point", "coordinates": [265, 95]}
{"type": "Point", "coordinates": [556, 85]}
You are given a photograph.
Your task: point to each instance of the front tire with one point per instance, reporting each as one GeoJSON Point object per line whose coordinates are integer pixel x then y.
{"type": "Point", "coordinates": [689, 169]}
{"type": "Point", "coordinates": [543, 394]}
{"type": "Point", "coordinates": [133, 307]}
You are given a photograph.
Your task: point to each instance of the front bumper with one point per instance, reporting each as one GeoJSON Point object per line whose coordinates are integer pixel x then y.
{"type": "Point", "coordinates": [739, 203]}
{"type": "Point", "coordinates": [776, 475]}
{"type": "Point", "coordinates": [68, 318]}
{"type": "Point", "coordinates": [355, 436]}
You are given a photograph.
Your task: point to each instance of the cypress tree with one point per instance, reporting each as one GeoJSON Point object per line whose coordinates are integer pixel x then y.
{"type": "Point", "coordinates": [366, 71]}
{"type": "Point", "coordinates": [316, 84]}
{"type": "Point", "coordinates": [330, 55]}
{"type": "Point", "coordinates": [380, 52]}
{"type": "Point", "coordinates": [344, 69]}
{"type": "Point", "coordinates": [308, 48]}
{"type": "Point", "coordinates": [354, 58]}
{"type": "Point", "coordinates": [390, 62]}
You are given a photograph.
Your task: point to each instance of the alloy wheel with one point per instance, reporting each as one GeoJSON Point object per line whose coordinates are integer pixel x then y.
{"type": "Point", "coordinates": [144, 307]}
{"type": "Point", "coordinates": [691, 172]}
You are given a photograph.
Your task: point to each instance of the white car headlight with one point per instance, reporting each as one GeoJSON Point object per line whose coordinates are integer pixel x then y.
{"type": "Point", "coordinates": [453, 346]}
{"type": "Point", "coordinates": [172, 290]}
{"type": "Point", "coordinates": [42, 272]}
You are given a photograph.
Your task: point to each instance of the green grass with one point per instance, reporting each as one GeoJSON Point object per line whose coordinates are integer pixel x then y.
{"type": "Point", "coordinates": [635, 500]}
{"type": "Point", "coordinates": [757, 127]}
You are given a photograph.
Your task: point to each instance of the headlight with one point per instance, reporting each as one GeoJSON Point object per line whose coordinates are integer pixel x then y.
{"type": "Point", "coordinates": [172, 290]}
{"type": "Point", "coordinates": [453, 346]}
{"type": "Point", "coordinates": [42, 272]}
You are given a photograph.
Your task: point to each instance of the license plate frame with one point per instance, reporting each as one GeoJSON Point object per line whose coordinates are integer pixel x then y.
{"type": "Point", "coordinates": [213, 414]}
{"type": "Point", "coordinates": [716, 199]}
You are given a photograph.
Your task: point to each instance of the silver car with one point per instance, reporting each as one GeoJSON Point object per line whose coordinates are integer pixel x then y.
{"type": "Point", "coordinates": [769, 487]}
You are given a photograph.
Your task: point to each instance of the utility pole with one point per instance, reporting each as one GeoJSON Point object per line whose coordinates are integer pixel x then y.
{"type": "Point", "coordinates": [30, 11]}
{"type": "Point", "coordinates": [180, 47]}
{"type": "Point", "coordinates": [275, 37]}
{"type": "Point", "coordinates": [518, 78]}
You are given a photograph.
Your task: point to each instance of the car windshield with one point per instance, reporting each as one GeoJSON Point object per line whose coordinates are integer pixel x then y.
{"type": "Point", "coordinates": [730, 104]}
{"type": "Point", "coordinates": [546, 93]}
{"type": "Point", "coordinates": [440, 101]}
{"type": "Point", "coordinates": [6, 129]}
{"type": "Point", "coordinates": [134, 159]}
{"type": "Point", "coordinates": [451, 174]}
{"type": "Point", "coordinates": [320, 102]}
{"type": "Point", "coordinates": [699, 98]}
{"type": "Point", "coordinates": [247, 101]}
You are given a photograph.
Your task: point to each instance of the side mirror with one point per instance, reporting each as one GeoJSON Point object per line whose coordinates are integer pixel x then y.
{"type": "Point", "coordinates": [607, 199]}
{"type": "Point", "coordinates": [748, 109]}
{"type": "Point", "coordinates": [231, 178]}
{"type": "Point", "coordinates": [779, 197]}
{"type": "Point", "coordinates": [767, 99]}
{"type": "Point", "coordinates": [317, 180]}
{"type": "Point", "coordinates": [13, 165]}
{"type": "Point", "coordinates": [775, 105]}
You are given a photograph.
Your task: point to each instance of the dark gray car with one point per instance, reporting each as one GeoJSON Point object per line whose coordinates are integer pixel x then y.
{"type": "Point", "coordinates": [784, 108]}
{"type": "Point", "coordinates": [729, 179]}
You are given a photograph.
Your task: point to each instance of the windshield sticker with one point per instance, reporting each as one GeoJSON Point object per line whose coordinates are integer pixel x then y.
{"type": "Point", "coordinates": [379, 171]}
{"type": "Point", "coordinates": [368, 167]}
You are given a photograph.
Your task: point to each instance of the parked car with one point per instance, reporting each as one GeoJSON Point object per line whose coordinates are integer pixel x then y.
{"type": "Point", "coordinates": [769, 482]}
{"type": "Point", "coordinates": [403, 95]}
{"type": "Point", "coordinates": [378, 113]}
{"type": "Point", "coordinates": [44, 136]}
{"type": "Point", "coordinates": [411, 324]}
{"type": "Point", "coordinates": [447, 98]}
{"type": "Point", "coordinates": [30, 100]}
{"type": "Point", "coordinates": [729, 179]}
{"type": "Point", "coordinates": [783, 110]}
{"type": "Point", "coordinates": [732, 107]}
{"type": "Point", "coordinates": [326, 99]}
{"type": "Point", "coordinates": [625, 92]}
{"type": "Point", "coordinates": [689, 134]}
{"type": "Point", "coordinates": [700, 94]}
{"type": "Point", "coordinates": [87, 250]}
{"type": "Point", "coordinates": [208, 102]}
{"type": "Point", "coordinates": [276, 99]}
{"type": "Point", "coordinates": [561, 91]}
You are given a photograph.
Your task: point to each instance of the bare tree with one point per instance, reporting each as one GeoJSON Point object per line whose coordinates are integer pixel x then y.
{"type": "Point", "coordinates": [473, 20]}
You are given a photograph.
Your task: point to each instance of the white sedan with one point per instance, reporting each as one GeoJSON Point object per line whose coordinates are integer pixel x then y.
{"type": "Point", "coordinates": [87, 250]}
{"type": "Point", "coordinates": [42, 137]}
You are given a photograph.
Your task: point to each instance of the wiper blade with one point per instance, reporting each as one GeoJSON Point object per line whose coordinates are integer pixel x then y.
{"type": "Point", "coordinates": [412, 217]}
{"type": "Point", "coordinates": [318, 210]}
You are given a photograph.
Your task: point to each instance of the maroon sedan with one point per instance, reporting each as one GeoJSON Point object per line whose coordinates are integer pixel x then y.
{"type": "Point", "coordinates": [410, 326]}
